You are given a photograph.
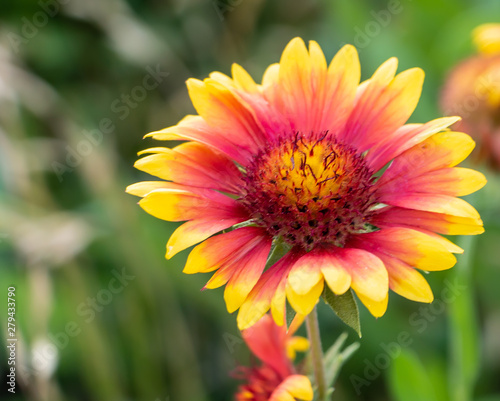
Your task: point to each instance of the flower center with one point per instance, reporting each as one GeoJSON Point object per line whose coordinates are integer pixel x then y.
{"type": "Point", "coordinates": [310, 191]}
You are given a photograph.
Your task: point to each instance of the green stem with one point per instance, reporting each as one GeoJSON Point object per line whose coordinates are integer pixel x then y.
{"type": "Point", "coordinates": [317, 354]}
{"type": "Point", "coordinates": [464, 355]}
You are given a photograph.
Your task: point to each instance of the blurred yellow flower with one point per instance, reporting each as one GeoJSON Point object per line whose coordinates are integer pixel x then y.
{"type": "Point", "coordinates": [472, 91]}
{"type": "Point", "coordinates": [486, 37]}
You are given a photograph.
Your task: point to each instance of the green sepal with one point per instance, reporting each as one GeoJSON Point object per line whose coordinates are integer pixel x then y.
{"type": "Point", "coordinates": [345, 307]}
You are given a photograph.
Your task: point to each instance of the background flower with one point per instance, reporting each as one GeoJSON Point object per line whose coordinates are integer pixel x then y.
{"type": "Point", "coordinates": [275, 379]}
{"type": "Point", "coordinates": [472, 91]}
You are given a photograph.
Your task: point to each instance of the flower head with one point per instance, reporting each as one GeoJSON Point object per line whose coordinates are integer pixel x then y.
{"type": "Point", "coordinates": [472, 91]}
{"type": "Point", "coordinates": [301, 159]}
{"type": "Point", "coordinates": [276, 378]}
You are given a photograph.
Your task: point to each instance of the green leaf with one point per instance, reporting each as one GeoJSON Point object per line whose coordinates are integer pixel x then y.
{"type": "Point", "coordinates": [345, 307]}
{"type": "Point", "coordinates": [437, 371]}
{"type": "Point", "coordinates": [334, 350]}
{"type": "Point", "coordinates": [248, 223]}
{"type": "Point", "coordinates": [290, 315]}
{"type": "Point", "coordinates": [334, 358]}
{"type": "Point", "coordinates": [408, 379]}
{"type": "Point", "coordinates": [279, 249]}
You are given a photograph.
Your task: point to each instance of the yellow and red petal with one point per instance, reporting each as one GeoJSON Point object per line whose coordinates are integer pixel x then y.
{"type": "Point", "coordinates": [145, 187]}
{"type": "Point", "coordinates": [310, 95]}
{"type": "Point", "coordinates": [396, 187]}
{"type": "Point", "coordinates": [455, 181]}
{"type": "Point", "coordinates": [268, 115]}
{"type": "Point", "coordinates": [406, 281]}
{"type": "Point", "coordinates": [431, 203]}
{"type": "Point", "coordinates": [195, 128]}
{"type": "Point", "coordinates": [259, 300]}
{"type": "Point", "coordinates": [249, 270]}
{"type": "Point", "coordinates": [224, 250]}
{"type": "Point", "coordinates": [315, 265]}
{"type": "Point", "coordinates": [382, 108]}
{"type": "Point", "coordinates": [243, 80]}
{"type": "Point", "coordinates": [368, 273]}
{"type": "Point", "coordinates": [368, 92]}
{"type": "Point", "coordinates": [193, 164]}
{"type": "Point", "coordinates": [195, 231]}
{"type": "Point", "coordinates": [336, 277]}
{"type": "Point", "coordinates": [445, 242]}
{"type": "Point", "coordinates": [278, 303]}
{"type": "Point", "coordinates": [179, 204]}
{"type": "Point", "coordinates": [268, 342]}
{"type": "Point", "coordinates": [442, 150]}
{"type": "Point", "coordinates": [306, 272]}
{"type": "Point", "coordinates": [295, 84]}
{"type": "Point", "coordinates": [376, 308]}
{"type": "Point", "coordinates": [270, 86]}
{"type": "Point", "coordinates": [304, 303]}
{"type": "Point", "coordinates": [293, 387]}
{"type": "Point", "coordinates": [436, 222]}
{"type": "Point", "coordinates": [222, 110]}
{"type": "Point", "coordinates": [265, 114]}
{"type": "Point", "coordinates": [403, 139]}
{"type": "Point", "coordinates": [318, 66]}
{"type": "Point", "coordinates": [413, 247]}
{"type": "Point", "coordinates": [270, 76]}
{"type": "Point", "coordinates": [222, 79]}
{"type": "Point", "coordinates": [344, 73]}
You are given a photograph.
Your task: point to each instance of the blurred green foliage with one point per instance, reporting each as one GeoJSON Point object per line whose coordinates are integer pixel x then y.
{"type": "Point", "coordinates": [74, 105]}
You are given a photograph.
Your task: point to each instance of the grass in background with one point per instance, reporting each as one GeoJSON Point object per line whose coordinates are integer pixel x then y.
{"type": "Point", "coordinates": [67, 228]}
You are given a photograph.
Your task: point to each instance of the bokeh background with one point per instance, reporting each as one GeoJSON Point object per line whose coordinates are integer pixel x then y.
{"type": "Point", "coordinates": [101, 315]}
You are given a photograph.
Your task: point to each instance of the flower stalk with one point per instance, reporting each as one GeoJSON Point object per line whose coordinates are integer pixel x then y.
{"type": "Point", "coordinates": [316, 354]}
